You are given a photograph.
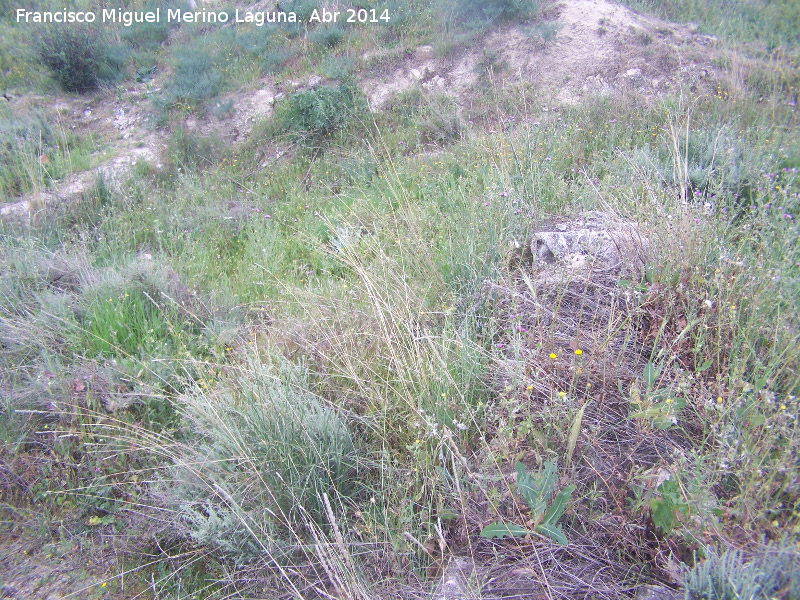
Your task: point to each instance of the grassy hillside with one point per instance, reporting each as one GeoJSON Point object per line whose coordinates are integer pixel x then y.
{"type": "Point", "coordinates": [314, 352]}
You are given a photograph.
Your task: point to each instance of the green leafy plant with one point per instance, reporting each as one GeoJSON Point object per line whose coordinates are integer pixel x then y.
{"type": "Point", "coordinates": [665, 509]}
{"type": "Point", "coordinates": [659, 406]}
{"type": "Point", "coordinates": [537, 491]}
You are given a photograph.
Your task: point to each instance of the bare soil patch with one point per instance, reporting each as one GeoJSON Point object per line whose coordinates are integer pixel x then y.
{"type": "Point", "coordinates": [601, 48]}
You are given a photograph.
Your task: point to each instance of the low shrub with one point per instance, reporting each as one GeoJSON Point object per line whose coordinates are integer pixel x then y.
{"type": "Point", "coordinates": [328, 36]}
{"type": "Point", "coordinates": [34, 152]}
{"type": "Point", "coordinates": [268, 46]}
{"type": "Point", "coordinates": [311, 115]}
{"type": "Point", "coordinates": [79, 58]}
{"type": "Point", "coordinates": [266, 451]}
{"type": "Point", "coordinates": [440, 122]}
{"type": "Point", "coordinates": [147, 36]}
{"type": "Point", "coordinates": [187, 152]}
{"type": "Point", "coordinates": [22, 140]}
{"type": "Point", "coordinates": [403, 21]}
{"type": "Point", "coordinates": [195, 76]}
{"type": "Point", "coordinates": [728, 575]}
{"type": "Point", "coordinates": [478, 15]}
{"type": "Point", "coordinates": [302, 8]}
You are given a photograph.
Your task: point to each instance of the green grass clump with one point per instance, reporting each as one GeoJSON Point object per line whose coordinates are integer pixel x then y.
{"type": "Point", "coordinates": [35, 150]}
{"type": "Point", "coordinates": [774, 23]}
{"type": "Point", "coordinates": [148, 36]}
{"type": "Point", "coordinates": [267, 452]}
{"type": "Point", "coordinates": [267, 46]}
{"type": "Point", "coordinates": [119, 323]}
{"type": "Point", "coordinates": [329, 37]}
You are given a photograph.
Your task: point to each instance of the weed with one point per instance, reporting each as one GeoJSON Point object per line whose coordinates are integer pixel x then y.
{"type": "Point", "coordinates": [35, 151]}
{"type": "Point", "coordinates": [546, 31]}
{"type": "Point", "coordinates": [537, 491]}
{"type": "Point", "coordinates": [405, 19]}
{"type": "Point", "coordinates": [659, 406]}
{"type": "Point", "coordinates": [148, 36]}
{"type": "Point", "coordinates": [223, 110]}
{"type": "Point", "coordinates": [775, 22]}
{"type": "Point", "coordinates": [302, 8]}
{"type": "Point", "coordinates": [270, 48]}
{"type": "Point", "coordinates": [188, 152]}
{"type": "Point", "coordinates": [489, 66]}
{"type": "Point", "coordinates": [668, 505]}
{"type": "Point", "coordinates": [439, 121]}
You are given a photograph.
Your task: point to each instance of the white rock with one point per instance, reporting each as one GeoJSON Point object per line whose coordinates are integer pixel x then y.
{"type": "Point", "coordinates": [596, 239]}
{"type": "Point", "coordinates": [15, 209]}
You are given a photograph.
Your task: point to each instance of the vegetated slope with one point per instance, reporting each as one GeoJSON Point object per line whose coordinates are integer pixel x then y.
{"type": "Point", "coordinates": [583, 48]}
{"type": "Point", "coordinates": [416, 353]}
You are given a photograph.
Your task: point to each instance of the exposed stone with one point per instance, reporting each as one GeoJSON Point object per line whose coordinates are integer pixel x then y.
{"type": "Point", "coordinates": [657, 592]}
{"type": "Point", "coordinates": [15, 209]}
{"type": "Point", "coordinates": [455, 581]}
{"type": "Point", "coordinates": [595, 241]}
{"type": "Point", "coordinates": [598, 239]}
